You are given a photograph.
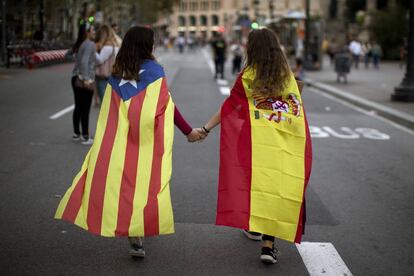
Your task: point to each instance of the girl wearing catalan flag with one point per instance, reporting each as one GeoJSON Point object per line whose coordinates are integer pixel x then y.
{"type": "Point", "coordinates": [265, 149]}
{"type": "Point", "coordinates": [122, 188]}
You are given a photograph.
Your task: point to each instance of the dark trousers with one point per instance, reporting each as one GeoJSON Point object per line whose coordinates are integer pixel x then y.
{"type": "Point", "coordinates": [83, 101]}
{"type": "Point", "coordinates": [219, 67]}
{"type": "Point", "coordinates": [236, 64]}
{"type": "Point", "coordinates": [355, 61]}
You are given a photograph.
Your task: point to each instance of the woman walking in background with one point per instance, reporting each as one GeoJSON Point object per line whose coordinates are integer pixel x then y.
{"type": "Point", "coordinates": [107, 48]}
{"type": "Point", "coordinates": [83, 81]}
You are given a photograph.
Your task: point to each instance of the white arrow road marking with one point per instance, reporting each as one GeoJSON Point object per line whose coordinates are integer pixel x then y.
{"type": "Point", "coordinates": [322, 259]}
{"type": "Point", "coordinates": [62, 112]}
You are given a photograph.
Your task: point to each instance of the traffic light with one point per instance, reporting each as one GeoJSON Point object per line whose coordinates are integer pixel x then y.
{"type": "Point", "coordinates": [255, 25]}
{"type": "Point", "coordinates": [91, 19]}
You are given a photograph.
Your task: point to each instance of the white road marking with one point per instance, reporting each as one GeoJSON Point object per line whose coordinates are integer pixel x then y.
{"type": "Point", "coordinates": [366, 112]}
{"type": "Point", "coordinates": [224, 90]}
{"type": "Point", "coordinates": [322, 259]}
{"type": "Point", "coordinates": [62, 112]}
{"type": "Point", "coordinates": [208, 60]}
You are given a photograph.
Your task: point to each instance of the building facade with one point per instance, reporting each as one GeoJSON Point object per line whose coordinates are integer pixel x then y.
{"type": "Point", "coordinates": [202, 18]}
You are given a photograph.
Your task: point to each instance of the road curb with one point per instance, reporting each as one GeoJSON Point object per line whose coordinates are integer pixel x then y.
{"type": "Point", "coordinates": [382, 110]}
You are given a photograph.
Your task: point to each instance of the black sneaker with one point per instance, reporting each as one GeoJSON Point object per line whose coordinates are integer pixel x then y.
{"type": "Point", "coordinates": [268, 255]}
{"type": "Point", "coordinates": [254, 236]}
{"type": "Point", "coordinates": [76, 137]}
{"type": "Point", "coordinates": [137, 248]}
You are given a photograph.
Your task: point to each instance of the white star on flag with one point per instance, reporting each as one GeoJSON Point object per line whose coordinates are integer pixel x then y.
{"type": "Point", "coordinates": [132, 82]}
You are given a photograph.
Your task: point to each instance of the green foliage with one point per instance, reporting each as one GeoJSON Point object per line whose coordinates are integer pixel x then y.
{"type": "Point", "coordinates": [352, 7]}
{"type": "Point", "coordinates": [389, 27]}
{"type": "Point", "coordinates": [149, 10]}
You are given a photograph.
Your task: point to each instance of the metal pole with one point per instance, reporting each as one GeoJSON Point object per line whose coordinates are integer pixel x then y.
{"type": "Point", "coordinates": [405, 91]}
{"type": "Point", "coordinates": [307, 61]}
{"type": "Point", "coordinates": [3, 32]}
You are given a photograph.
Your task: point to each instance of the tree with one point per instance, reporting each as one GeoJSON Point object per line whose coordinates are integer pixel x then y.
{"type": "Point", "coordinates": [389, 28]}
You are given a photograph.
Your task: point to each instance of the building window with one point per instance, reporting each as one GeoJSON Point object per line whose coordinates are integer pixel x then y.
{"type": "Point", "coordinates": [183, 5]}
{"type": "Point", "coordinates": [215, 20]}
{"type": "Point", "coordinates": [280, 5]}
{"type": "Point", "coordinates": [203, 20]}
{"type": "Point", "coordinates": [193, 20]}
{"type": "Point", "coordinates": [193, 5]}
{"type": "Point", "coordinates": [215, 4]}
{"type": "Point", "coordinates": [181, 21]}
{"type": "Point", "coordinates": [204, 5]}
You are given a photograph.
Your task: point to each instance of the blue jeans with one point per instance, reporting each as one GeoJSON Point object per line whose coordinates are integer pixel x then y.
{"type": "Point", "coordinates": [100, 87]}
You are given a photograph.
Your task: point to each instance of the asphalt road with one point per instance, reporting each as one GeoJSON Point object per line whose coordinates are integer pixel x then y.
{"type": "Point", "coordinates": [360, 197]}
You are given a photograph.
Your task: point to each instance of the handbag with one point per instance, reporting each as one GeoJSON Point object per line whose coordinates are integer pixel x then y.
{"type": "Point", "coordinates": [104, 70]}
{"type": "Point", "coordinates": [82, 85]}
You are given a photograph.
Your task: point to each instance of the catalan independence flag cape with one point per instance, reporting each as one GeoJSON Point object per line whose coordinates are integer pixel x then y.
{"type": "Point", "coordinates": [123, 186]}
{"type": "Point", "coordinates": [265, 161]}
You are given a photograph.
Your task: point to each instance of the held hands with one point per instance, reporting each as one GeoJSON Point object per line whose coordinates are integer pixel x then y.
{"type": "Point", "coordinates": [197, 134]}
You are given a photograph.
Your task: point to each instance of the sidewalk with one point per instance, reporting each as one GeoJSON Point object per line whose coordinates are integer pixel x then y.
{"type": "Point", "coordinates": [370, 89]}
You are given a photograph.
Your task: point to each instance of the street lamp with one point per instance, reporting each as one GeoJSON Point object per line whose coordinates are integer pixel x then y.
{"type": "Point", "coordinates": [307, 62]}
{"type": "Point", "coordinates": [405, 92]}
{"type": "Point", "coordinates": [3, 32]}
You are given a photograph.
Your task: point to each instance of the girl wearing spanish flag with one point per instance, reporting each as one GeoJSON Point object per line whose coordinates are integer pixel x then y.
{"type": "Point", "coordinates": [122, 188]}
{"type": "Point", "coordinates": [265, 149]}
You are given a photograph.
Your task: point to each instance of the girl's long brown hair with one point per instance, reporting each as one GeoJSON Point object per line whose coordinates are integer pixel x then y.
{"type": "Point", "coordinates": [265, 55]}
{"type": "Point", "coordinates": [136, 47]}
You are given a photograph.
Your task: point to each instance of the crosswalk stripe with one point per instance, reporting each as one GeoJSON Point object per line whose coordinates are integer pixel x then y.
{"type": "Point", "coordinates": [322, 259]}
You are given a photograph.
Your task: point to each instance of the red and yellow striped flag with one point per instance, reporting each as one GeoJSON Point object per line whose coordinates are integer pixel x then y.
{"type": "Point", "coordinates": [265, 161]}
{"type": "Point", "coordinates": [123, 186]}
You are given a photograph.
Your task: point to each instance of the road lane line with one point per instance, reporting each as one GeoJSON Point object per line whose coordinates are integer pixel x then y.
{"type": "Point", "coordinates": [62, 112]}
{"type": "Point", "coordinates": [208, 60]}
{"type": "Point", "coordinates": [322, 259]}
{"type": "Point", "coordinates": [368, 113]}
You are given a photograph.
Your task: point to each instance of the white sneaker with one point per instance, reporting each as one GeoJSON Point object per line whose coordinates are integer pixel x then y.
{"type": "Point", "coordinates": [254, 236]}
{"type": "Point", "coordinates": [87, 141]}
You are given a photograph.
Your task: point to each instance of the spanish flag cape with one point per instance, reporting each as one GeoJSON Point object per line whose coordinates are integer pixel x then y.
{"type": "Point", "coordinates": [265, 160]}
{"type": "Point", "coordinates": [123, 188]}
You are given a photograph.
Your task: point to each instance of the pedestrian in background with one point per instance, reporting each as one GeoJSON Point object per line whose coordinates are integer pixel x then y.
{"type": "Point", "coordinates": [181, 44]}
{"type": "Point", "coordinates": [366, 52]}
{"type": "Point", "coordinates": [219, 47]}
{"type": "Point", "coordinates": [237, 51]}
{"type": "Point", "coordinates": [83, 81]}
{"type": "Point", "coordinates": [355, 48]}
{"type": "Point", "coordinates": [262, 125]}
{"type": "Point", "coordinates": [107, 48]}
{"type": "Point", "coordinates": [118, 34]}
{"type": "Point", "coordinates": [123, 187]}
{"type": "Point", "coordinates": [376, 54]}
{"type": "Point", "coordinates": [298, 70]}
{"type": "Point", "coordinates": [403, 53]}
